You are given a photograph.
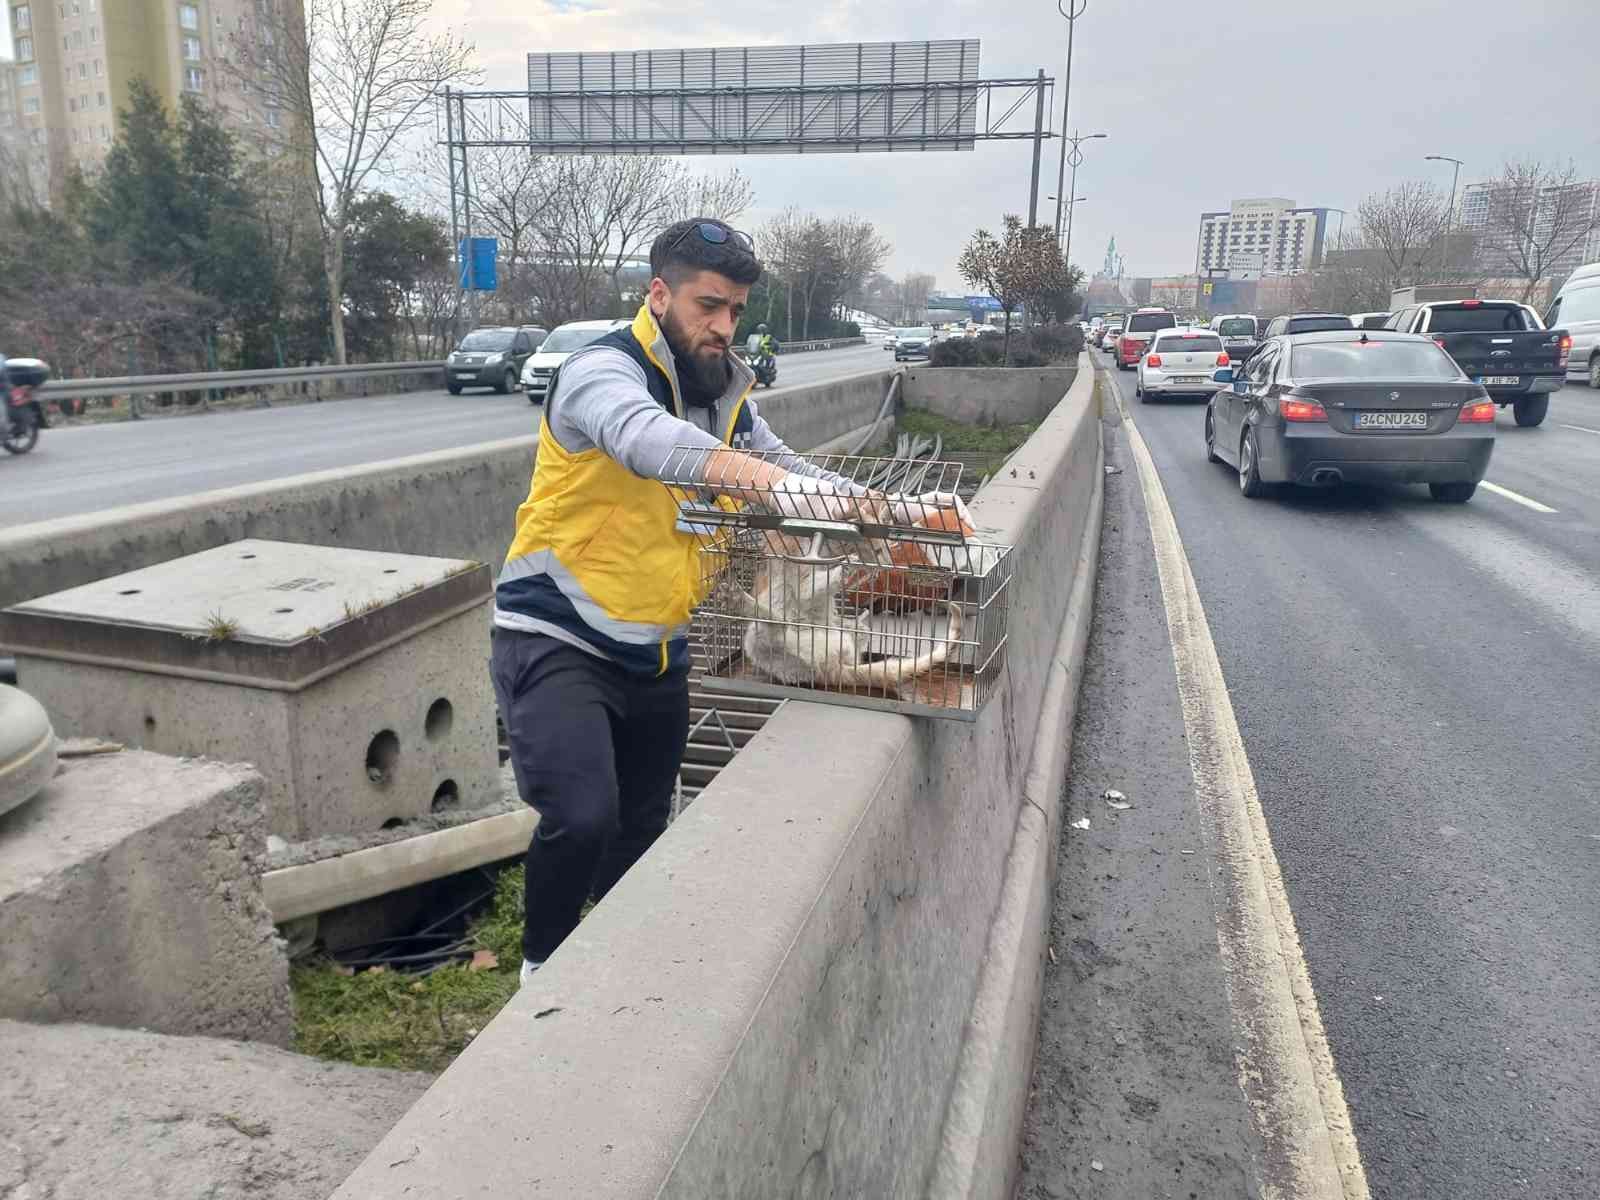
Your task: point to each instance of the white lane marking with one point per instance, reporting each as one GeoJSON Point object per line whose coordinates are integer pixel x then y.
{"type": "Point", "coordinates": [1285, 1067]}
{"type": "Point", "coordinates": [1517, 496]}
{"type": "Point", "coordinates": [1580, 428]}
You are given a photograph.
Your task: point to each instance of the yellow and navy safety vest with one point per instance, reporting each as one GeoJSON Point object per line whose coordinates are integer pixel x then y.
{"type": "Point", "coordinates": [598, 552]}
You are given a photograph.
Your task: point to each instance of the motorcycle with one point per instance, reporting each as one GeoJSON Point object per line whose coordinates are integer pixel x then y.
{"type": "Point", "coordinates": [23, 415]}
{"type": "Point", "coordinates": [766, 368]}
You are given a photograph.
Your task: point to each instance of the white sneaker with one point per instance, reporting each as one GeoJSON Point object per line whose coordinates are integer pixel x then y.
{"type": "Point", "coordinates": [528, 968]}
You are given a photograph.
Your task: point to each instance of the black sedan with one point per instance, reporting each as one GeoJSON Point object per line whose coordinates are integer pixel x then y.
{"type": "Point", "coordinates": [1353, 406]}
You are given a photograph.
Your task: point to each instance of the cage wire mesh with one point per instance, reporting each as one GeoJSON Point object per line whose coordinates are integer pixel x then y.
{"type": "Point", "coordinates": [871, 592]}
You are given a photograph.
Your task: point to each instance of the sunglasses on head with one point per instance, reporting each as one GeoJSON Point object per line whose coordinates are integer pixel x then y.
{"type": "Point", "coordinates": [716, 234]}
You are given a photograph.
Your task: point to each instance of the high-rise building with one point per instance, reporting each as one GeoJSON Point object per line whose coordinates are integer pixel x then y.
{"type": "Point", "coordinates": [1269, 232]}
{"type": "Point", "coordinates": [1576, 205]}
{"type": "Point", "coordinates": [76, 59]}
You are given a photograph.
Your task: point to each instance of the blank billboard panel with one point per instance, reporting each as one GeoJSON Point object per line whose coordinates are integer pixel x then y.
{"type": "Point", "coordinates": [848, 98]}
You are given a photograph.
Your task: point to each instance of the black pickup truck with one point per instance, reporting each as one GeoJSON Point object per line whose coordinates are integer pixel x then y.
{"type": "Point", "coordinates": [1499, 343]}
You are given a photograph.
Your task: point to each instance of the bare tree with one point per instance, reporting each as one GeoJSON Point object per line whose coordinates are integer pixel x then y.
{"type": "Point", "coordinates": [914, 290]}
{"type": "Point", "coordinates": [22, 181]}
{"type": "Point", "coordinates": [430, 313]}
{"type": "Point", "coordinates": [725, 196]}
{"type": "Point", "coordinates": [1018, 268]}
{"type": "Point", "coordinates": [780, 242]}
{"type": "Point", "coordinates": [510, 192]}
{"type": "Point", "coordinates": [355, 77]}
{"type": "Point", "coordinates": [858, 252]}
{"type": "Point", "coordinates": [1403, 226]}
{"type": "Point", "coordinates": [1538, 214]}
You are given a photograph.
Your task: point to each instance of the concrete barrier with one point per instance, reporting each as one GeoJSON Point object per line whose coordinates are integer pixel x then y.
{"type": "Point", "coordinates": [806, 417]}
{"type": "Point", "coordinates": [988, 395]}
{"type": "Point", "coordinates": [130, 895]}
{"type": "Point", "coordinates": [447, 504]}
{"type": "Point", "coordinates": [823, 980]}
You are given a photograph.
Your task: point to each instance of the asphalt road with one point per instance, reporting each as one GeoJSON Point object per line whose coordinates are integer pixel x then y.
{"type": "Point", "coordinates": [88, 468]}
{"type": "Point", "coordinates": [1418, 689]}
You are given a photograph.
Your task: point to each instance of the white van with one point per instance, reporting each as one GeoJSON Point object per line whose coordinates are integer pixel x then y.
{"type": "Point", "coordinates": [1577, 310]}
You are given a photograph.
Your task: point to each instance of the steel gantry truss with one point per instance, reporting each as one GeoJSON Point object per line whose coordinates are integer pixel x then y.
{"type": "Point", "coordinates": [826, 99]}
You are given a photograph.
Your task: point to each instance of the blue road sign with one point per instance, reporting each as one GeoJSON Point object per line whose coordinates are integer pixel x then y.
{"type": "Point", "coordinates": [478, 265]}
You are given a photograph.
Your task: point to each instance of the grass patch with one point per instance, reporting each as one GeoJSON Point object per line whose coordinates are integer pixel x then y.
{"type": "Point", "coordinates": [990, 444]}
{"type": "Point", "coordinates": [386, 1018]}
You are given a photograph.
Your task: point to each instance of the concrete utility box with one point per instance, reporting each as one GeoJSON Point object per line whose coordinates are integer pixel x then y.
{"type": "Point", "coordinates": [355, 681]}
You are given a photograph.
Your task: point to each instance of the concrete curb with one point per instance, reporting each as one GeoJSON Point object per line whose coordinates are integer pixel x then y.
{"type": "Point", "coordinates": [983, 1125]}
{"type": "Point", "coordinates": [316, 887]}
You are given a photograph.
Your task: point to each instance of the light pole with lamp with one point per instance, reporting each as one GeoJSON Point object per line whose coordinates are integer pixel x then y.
{"type": "Point", "coordinates": [1075, 158]}
{"type": "Point", "coordinates": [1071, 10]}
{"type": "Point", "coordinates": [1071, 200]}
{"type": "Point", "coordinates": [1455, 178]}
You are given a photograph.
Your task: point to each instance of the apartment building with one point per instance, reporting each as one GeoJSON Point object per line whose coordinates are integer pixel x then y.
{"type": "Point", "coordinates": [1287, 239]}
{"type": "Point", "coordinates": [1576, 205]}
{"type": "Point", "coordinates": [76, 59]}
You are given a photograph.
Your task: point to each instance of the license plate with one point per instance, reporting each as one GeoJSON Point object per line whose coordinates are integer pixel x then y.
{"type": "Point", "coordinates": [1500, 380]}
{"type": "Point", "coordinates": [1392, 420]}
{"type": "Point", "coordinates": [1187, 378]}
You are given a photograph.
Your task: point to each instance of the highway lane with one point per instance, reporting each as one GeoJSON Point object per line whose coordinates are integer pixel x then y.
{"type": "Point", "coordinates": [1416, 688]}
{"type": "Point", "coordinates": [93, 467]}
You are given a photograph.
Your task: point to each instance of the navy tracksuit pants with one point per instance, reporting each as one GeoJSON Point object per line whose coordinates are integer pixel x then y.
{"type": "Point", "coordinates": [596, 751]}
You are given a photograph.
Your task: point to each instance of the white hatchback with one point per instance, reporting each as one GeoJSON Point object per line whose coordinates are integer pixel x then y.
{"type": "Point", "coordinates": [1182, 362]}
{"type": "Point", "coordinates": [541, 368]}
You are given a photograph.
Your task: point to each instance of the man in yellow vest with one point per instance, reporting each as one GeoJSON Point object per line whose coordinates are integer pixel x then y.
{"type": "Point", "coordinates": [592, 608]}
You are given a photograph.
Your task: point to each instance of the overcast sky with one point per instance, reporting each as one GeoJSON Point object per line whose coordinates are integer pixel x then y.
{"type": "Point", "coordinates": [1320, 101]}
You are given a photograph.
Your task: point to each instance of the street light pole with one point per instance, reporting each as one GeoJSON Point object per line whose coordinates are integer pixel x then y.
{"type": "Point", "coordinates": [1075, 158]}
{"type": "Point", "coordinates": [1071, 10]}
{"type": "Point", "coordinates": [1455, 178]}
{"type": "Point", "coordinates": [1450, 215]}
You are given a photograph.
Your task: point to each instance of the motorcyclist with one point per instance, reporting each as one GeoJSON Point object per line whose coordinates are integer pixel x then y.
{"type": "Point", "coordinates": [759, 344]}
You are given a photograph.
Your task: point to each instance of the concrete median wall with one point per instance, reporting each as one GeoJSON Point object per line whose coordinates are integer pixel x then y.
{"type": "Point", "coordinates": [824, 979]}
{"type": "Point", "coordinates": [988, 395]}
{"type": "Point", "coordinates": [806, 417]}
{"type": "Point", "coordinates": [448, 504]}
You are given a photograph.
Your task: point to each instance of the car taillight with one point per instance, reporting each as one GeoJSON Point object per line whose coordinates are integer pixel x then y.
{"type": "Point", "coordinates": [1223, 359]}
{"type": "Point", "coordinates": [1478, 412]}
{"type": "Point", "coordinates": [1566, 349]}
{"type": "Point", "coordinates": [1152, 360]}
{"type": "Point", "coordinates": [1296, 408]}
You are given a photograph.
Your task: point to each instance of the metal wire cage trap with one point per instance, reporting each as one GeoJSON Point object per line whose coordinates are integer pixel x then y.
{"type": "Point", "coordinates": [870, 592]}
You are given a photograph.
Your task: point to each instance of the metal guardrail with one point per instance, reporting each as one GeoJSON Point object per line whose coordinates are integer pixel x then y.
{"type": "Point", "coordinates": [823, 344]}
{"type": "Point", "coordinates": [210, 381]}
{"type": "Point", "coordinates": [207, 381]}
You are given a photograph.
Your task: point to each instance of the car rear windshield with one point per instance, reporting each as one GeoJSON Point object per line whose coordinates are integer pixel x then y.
{"type": "Point", "coordinates": [563, 341]}
{"type": "Point", "coordinates": [916, 333]}
{"type": "Point", "coordinates": [1316, 324]}
{"type": "Point", "coordinates": [1146, 322]}
{"type": "Point", "coordinates": [1194, 343]}
{"type": "Point", "coordinates": [1372, 360]}
{"type": "Point", "coordinates": [487, 339]}
{"type": "Point", "coordinates": [1237, 327]}
{"type": "Point", "coordinates": [1480, 318]}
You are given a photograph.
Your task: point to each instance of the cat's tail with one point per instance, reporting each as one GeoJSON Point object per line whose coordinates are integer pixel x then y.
{"type": "Point", "coordinates": [889, 674]}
